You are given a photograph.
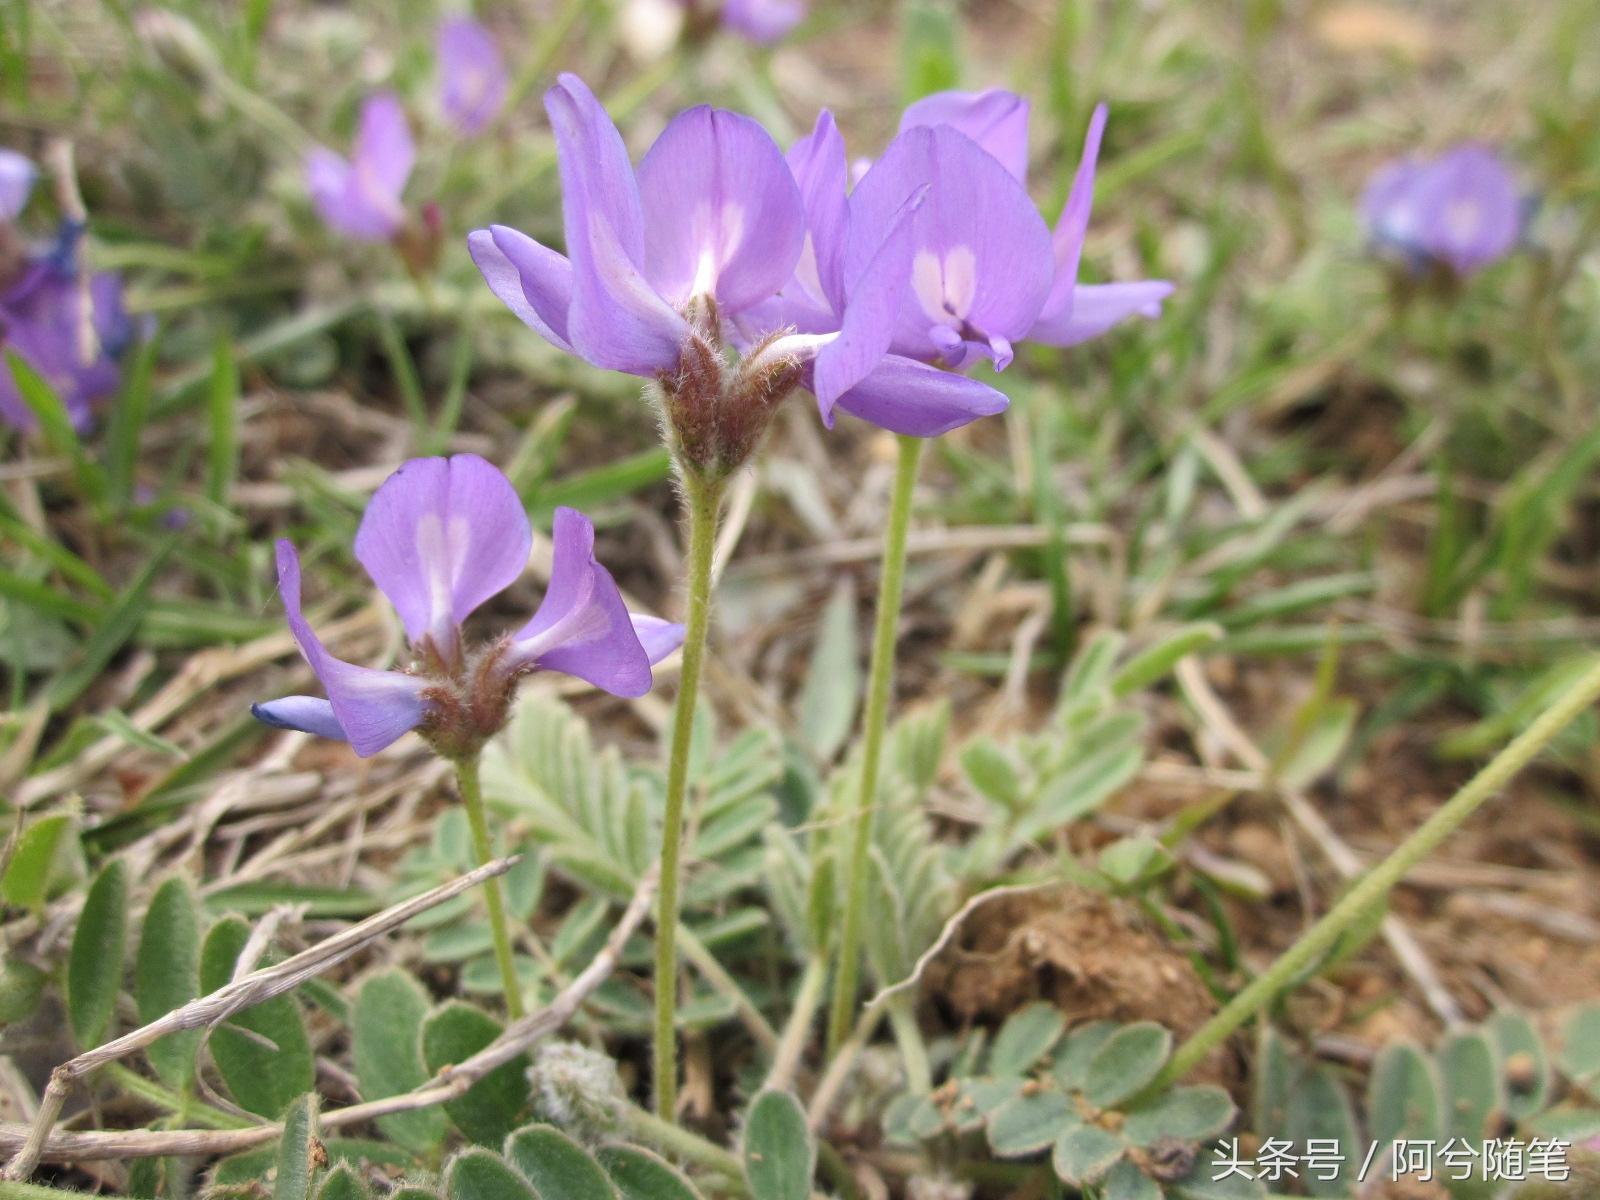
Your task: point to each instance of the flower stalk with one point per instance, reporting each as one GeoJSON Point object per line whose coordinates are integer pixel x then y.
{"type": "Point", "coordinates": [493, 896]}
{"type": "Point", "coordinates": [703, 500]}
{"type": "Point", "coordinates": [1371, 889]}
{"type": "Point", "coordinates": [879, 685]}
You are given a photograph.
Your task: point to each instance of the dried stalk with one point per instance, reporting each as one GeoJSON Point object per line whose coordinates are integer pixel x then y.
{"type": "Point", "coordinates": [449, 1083]}
{"type": "Point", "coordinates": [245, 992]}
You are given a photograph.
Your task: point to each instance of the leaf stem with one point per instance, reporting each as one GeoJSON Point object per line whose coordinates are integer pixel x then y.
{"type": "Point", "coordinates": [493, 896]}
{"type": "Point", "coordinates": [703, 499]}
{"type": "Point", "coordinates": [879, 684]}
{"type": "Point", "coordinates": [1371, 889]}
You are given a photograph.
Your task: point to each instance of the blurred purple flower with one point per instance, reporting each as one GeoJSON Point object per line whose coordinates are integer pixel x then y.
{"type": "Point", "coordinates": [472, 74]}
{"type": "Point", "coordinates": [1462, 210]}
{"type": "Point", "coordinates": [763, 21]}
{"type": "Point", "coordinates": [699, 241]}
{"type": "Point", "coordinates": [439, 538]}
{"type": "Point", "coordinates": [70, 333]}
{"type": "Point", "coordinates": [17, 175]}
{"type": "Point", "coordinates": [360, 196]}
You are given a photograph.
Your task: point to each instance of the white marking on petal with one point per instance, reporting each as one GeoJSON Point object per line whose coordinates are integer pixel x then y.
{"type": "Point", "coordinates": [442, 551]}
{"type": "Point", "coordinates": [718, 232]}
{"type": "Point", "coordinates": [946, 286]}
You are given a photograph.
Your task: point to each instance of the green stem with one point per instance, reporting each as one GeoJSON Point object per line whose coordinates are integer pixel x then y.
{"type": "Point", "coordinates": [879, 683]}
{"type": "Point", "coordinates": [704, 499]}
{"type": "Point", "coordinates": [913, 1050]}
{"type": "Point", "coordinates": [1376, 883]}
{"type": "Point", "coordinates": [493, 897]}
{"type": "Point", "coordinates": [682, 1143]}
{"type": "Point", "coordinates": [808, 998]}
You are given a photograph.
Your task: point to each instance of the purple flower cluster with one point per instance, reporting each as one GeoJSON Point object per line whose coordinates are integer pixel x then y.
{"type": "Point", "coordinates": [874, 298]}
{"type": "Point", "coordinates": [439, 538]}
{"type": "Point", "coordinates": [1460, 211]}
{"type": "Point", "coordinates": [68, 327]}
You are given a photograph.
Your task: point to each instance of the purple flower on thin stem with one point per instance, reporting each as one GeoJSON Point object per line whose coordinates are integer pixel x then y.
{"type": "Point", "coordinates": [71, 331]}
{"type": "Point", "coordinates": [1461, 211]}
{"type": "Point", "coordinates": [439, 538]}
{"type": "Point", "coordinates": [17, 176]}
{"type": "Point", "coordinates": [360, 196]}
{"type": "Point", "coordinates": [667, 263]}
{"type": "Point", "coordinates": [472, 74]}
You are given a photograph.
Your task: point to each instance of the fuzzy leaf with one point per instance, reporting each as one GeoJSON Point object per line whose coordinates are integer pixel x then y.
{"type": "Point", "coordinates": [977, 1099]}
{"type": "Point", "coordinates": [1403, 1096]}
{"type": "Point", "coordinates": [1152, 663]}
{"type": "Point", "coordinates": [1129, 1059]}
{"type": "Point", "coordinates": [1472, 1085]}
{"type": "Point", "coordinates": [1524, 1065]}
{"type": "Point", "coordinates": [991, 770]}
{"type": "Point", "coordinates": [1580, 1046]}
{"type": "Point", "coordinates": [1026, 1037]}
{"type": "Point", "coordinates": [491, 1108]}
{"type": "Point", "coordinates": [1073, 1056]}
{"type": "Point", "coordinates": [640, 1175]}
{"type": "Point", "coordinates": [94, 964]}
{"type": "Point", "coordinates": [263, 1052]}
{"type": "Point", "coordinates": [343, 1182]}
{"type": "Point", "coordinates": [166, 976]}
{"type": "Point", "coordinates": [479, 1174]}
{"type": "Point", "coordinates": [33, 866]}
{"type": "Point", "coordinates": [1126, 1182]}
{"type": "Point", "coordinates": [295, 1148]}
{"type": "Point", "coordinates": [386, 1028]}
{"type": "Point", "coordinates": [1320, 1110]}
{"type": "Point", "coordinates": [557, 1166]}
{"type": "Point", "coordinates": [779, 1154]}
{"type": "Point", "coordinates": [1192, 1114]}
{"type": "Point", "coordinates": [1085, 1153]}
{"type": "Point", "coordinates": [1030, 1122]}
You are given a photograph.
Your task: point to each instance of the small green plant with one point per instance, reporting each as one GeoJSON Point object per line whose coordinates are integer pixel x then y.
{"type": "Point", "coordinates": [1080, 1098]}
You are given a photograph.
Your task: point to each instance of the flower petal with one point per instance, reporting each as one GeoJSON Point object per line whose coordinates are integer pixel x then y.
{"type": "Point", "coordinates": [383, 153]}
{"type": "Point", "coordinates": [658, 637]}
{"type": "Point", "coordinates": [1097, 307]}
{"type": "Point", "coordinates": [723, 216]}
{"type": "Point", "coordinates": [762, 21]}
{"type": "Point", "coordinates": [373, 708]}
{"type": "Point", "coordinates": [1471, 207]}
{"type": "Point", "coordinates": [996, 119]}
{"type": "Point", "coordinates": [439, 537]}
{"type": "Point", "coordinates": [308, 714]}
{"type": "Point", "coordinates": [867, 326]}
{"type": "Point", "coordinates": [821, 171]}
{"type": "Point", "coordinates": [533, 281]}
{"type": "Point", "coordinates": [1073, 226]}
{"type": "Point", "coordinates": [617, 320]}
{"type": "Point", "coordinates": [906, 396]}
{"type": "Point", "coordinates": [582, 627]}
{"type": "Point", "coordinates": [17, 174]}
{"type": "Point", "coordinates": [981, 261]}
{"type": "Point", "coordinates": [472, 75]}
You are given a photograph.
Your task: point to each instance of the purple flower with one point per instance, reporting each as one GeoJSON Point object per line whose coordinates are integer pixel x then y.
{"type": "Point", "coordinates": [1462, 210]}
{"type": "Point", "coordinates": [987, 273]}
{"type": "Point", "coordinates": [762, 21]}
{"type": "Point", "coordinates": [17, 175]}
{"type": "Point", "coordinates": [70, 333]}
{"type": "Point", "coordinates": [663, 262]}
{"type": "Point", "coordinates": [360, 196]}
{"type": "Point", "coordinates": [439, 538]}
{"type": "Point", "coordinates": [472, 75]}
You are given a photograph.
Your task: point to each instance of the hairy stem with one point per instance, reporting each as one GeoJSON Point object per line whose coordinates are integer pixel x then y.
{"type": "Point", "coordinates": [703, 500]}
{"type": "Point", "coordinates": [493, 897]}
{"type": "Point", "coordinates": [879, 685]}
{"type": "Point", "coordinates": [682, 1143]}
{"type": "Point", "coordinates": [1371, 889]}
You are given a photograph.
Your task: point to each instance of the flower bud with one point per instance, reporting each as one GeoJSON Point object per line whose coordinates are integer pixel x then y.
{"type": "Point", "coordinates": [576, 1089]}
